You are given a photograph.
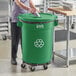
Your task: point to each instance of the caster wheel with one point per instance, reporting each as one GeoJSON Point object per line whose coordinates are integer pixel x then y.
{"type": "Point", "coordinates": [4, 37]}
{"type": "Point", "coordinates": [72, 26]}
{"type": "Point", "coordinates": [23, 66]}
{"type": "Point", "coordinates": [32, 68]}
{"type": "Point", "coordinates": [45, 67]}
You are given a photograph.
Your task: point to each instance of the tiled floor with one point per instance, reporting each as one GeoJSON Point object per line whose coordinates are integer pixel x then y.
{"type": "Point", "coordinates": [56, 68]}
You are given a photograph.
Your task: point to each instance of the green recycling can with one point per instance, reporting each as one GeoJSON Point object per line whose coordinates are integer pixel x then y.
{"type": "Point", "coordinates": [37, 37]}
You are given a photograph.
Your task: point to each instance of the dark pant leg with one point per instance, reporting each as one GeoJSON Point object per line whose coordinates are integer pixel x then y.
{"type": "Point", "coordinates": [15, 36]}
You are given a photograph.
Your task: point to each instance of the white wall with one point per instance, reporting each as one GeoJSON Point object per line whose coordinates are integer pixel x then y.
{"type": "Point", "coordinates": [37, 2]}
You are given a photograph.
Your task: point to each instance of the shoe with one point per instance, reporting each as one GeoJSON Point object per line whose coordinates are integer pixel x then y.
{"type": "Point", "coordinates": [13, 61]}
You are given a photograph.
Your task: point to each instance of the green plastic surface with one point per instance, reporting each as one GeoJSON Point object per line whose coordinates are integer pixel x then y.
{"type": "Point", "coordinates": [37, 38]}
{"type": "Point", "coordinates": [43, 17]}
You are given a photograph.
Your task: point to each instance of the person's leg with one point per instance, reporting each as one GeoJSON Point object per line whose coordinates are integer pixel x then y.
{"type": "Point", "coordinates": [21, 38]}
{"type": "Point", "coordinates": [15, 34]}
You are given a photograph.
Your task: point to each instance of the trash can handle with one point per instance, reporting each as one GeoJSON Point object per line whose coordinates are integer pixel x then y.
{"type": "Point", "coordinates": [19, 23]}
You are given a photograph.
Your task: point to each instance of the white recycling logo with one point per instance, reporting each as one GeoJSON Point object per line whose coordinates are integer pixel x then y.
{"type": "Point", "coordinates": [39, 43]}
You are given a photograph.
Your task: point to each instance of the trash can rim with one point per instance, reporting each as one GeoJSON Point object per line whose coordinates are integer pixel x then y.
{"type": "Point", "coordinates": [30, 22]}
{"type": "Point", "coordinates": [45, 17]}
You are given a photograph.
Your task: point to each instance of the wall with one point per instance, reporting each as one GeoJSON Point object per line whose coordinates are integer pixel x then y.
{"type": "Point", "coordinates": [37, 2]}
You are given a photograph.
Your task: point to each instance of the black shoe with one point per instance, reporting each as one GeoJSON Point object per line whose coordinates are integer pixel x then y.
{"type": "Point", "coordinates": [13, 62]}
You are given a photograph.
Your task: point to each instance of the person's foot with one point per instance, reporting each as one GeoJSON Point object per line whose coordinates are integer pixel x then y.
{"type": "Point", "coordinates": [13, 61]}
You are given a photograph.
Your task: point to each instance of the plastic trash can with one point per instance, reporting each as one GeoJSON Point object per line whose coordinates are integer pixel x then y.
{"type": "Point", "coordinates": [37, 38]}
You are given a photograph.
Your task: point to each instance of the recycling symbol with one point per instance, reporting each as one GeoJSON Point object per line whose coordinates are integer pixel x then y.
{"type": "Point", "coordinates": [39, 43]}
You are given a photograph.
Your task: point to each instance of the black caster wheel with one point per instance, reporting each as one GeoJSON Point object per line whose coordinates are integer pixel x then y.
{"type": "Point", "coordinates": [23, 65]}
{"type": "Point", "coordinates": [45, 67]}
{"type": "Point", "coordinates": [73, 26]}
{"type": "Point", "coordinates": [32, 68]}
{"type": "Point", "coordinates": [4, 37]}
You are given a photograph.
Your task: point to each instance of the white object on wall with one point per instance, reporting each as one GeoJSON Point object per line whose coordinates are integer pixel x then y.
{"type": "Point", "coordinates": [37, 2]}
